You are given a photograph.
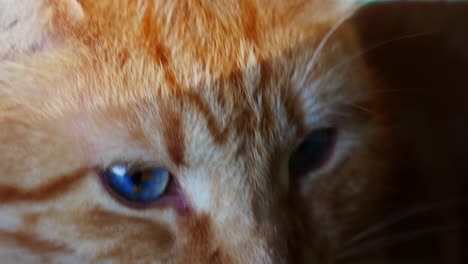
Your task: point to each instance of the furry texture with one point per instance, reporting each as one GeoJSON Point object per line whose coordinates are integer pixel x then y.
{"type": "Point", "coordinates": [217, 92]}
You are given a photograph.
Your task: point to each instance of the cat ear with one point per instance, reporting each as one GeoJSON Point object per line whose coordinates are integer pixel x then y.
{"type": "Point", "coordinates": [28, 26]}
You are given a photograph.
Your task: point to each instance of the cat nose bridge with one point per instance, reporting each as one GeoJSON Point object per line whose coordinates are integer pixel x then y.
{"type": "Point", "coordinates": [256, 253]}
{"type": "Point", "coordinates": [254, 234]}
{"type": "Point", "coordinates": [247, 214]}
{"type": "Point", "coordinates": [256, 245]}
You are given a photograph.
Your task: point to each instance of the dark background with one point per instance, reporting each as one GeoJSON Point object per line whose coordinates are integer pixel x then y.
{"type": "Point", "coordinates": [427, 98]}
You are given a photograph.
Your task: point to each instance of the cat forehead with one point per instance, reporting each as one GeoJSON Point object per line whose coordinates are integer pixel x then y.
{"type": "Point", "coordinates": [189, 38]}
{"type": "Point", "coordinates": [199, 38]}
{"type": "Point", "coordinates": [226, 59]}
{"type": "Point", "coordinates": [164, 46]}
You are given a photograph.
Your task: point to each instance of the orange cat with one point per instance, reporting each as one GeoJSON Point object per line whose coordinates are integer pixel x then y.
{"type": "Point", "coordinates": [184, 131]}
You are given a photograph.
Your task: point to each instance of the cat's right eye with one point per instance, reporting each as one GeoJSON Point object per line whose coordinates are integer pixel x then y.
{"type": "Point", "coordinates": [137, 185]}
{"type": "Point", "coordinates": [143, 187]}
{"type": "Point", "coordinates": [313, 152]}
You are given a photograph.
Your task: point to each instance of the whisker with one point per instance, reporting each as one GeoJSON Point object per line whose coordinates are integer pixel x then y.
{"type": "Point", "coordinates": [379, 261]}
{"type": "Point", "coordinates": [388, 91]}
{"type": "Point", "coordinates": [363, 52]}
{"type": "Point", "coordinates": [371, 261]}
{"type": "Point", "coordinates": [367, 110]}
{"type": "Point", "coordinates": [394, 239]}
{"type": "Point", "coordinates": [415, 210]}
{"type": "Point", "coordinates": [325, 40]}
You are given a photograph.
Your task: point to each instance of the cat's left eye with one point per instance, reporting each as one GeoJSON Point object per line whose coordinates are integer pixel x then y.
{"type": "Point", "coordinates": [137, 185]}
{"type": "Point", "coordinates": [313, 152]}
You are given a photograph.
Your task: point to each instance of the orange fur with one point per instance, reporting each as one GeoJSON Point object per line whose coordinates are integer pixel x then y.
{"type": "Point", "coordinates": [217, 92]}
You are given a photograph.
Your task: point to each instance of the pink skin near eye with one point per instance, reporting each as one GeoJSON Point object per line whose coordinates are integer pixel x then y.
{"type": "Point", "coordinates": [173, 197]}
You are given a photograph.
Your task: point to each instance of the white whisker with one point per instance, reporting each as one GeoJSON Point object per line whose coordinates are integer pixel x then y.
{"type": "Point", "coordinates": [394, 239]}
{"type": "Point", "coordinates": [361, 108]}
{"type": "Point", "coordinates": [397, 218]}
{"type": "Point", "coordinates": [363, 52]}
{"type": "Point", "coordinates": [325, 40]}
{"type": "Point", "coordinates": [388, 91]}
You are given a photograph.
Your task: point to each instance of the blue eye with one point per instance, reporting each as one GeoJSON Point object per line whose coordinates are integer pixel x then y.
{"type": "Point", "coordinates": [313, 152]}
{"type": "Point", "coordinates": [135, 184]}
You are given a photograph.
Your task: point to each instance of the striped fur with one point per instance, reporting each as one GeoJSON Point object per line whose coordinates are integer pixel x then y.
{"type": "Point", "coordinates": [217, 92]}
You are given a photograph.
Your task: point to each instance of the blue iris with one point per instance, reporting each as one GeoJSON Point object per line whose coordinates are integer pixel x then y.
{"type": "Point", "coordinates": [140, 185]}
{"type": "Point", "coordinates": [312, 152]}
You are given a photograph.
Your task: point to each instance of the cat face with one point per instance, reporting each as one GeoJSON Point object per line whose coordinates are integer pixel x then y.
{"type": "Point", "coordinates": [183, 131]}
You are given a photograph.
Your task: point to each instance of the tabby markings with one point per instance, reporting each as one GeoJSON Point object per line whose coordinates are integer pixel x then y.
{"type": "Point", "coordinates": [52, 189]}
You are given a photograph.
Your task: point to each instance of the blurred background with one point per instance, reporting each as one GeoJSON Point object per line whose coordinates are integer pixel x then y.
{"type": "Point", "coordinates": [425, 70]}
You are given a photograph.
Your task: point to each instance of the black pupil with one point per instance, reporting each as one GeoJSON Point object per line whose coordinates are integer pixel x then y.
{"type": "Point", "coordinates": [312, 152]}
{"type": "Point", "coordinates": [137, 178]}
